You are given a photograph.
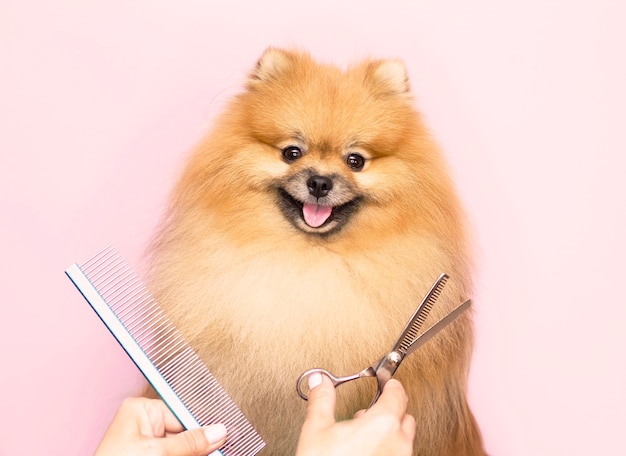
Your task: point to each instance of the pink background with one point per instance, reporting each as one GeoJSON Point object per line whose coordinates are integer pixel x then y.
{"type": "Point", "coordinates": [99, 102]}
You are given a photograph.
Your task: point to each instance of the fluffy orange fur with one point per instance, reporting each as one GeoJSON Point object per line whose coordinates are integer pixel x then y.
{"type": "Point", "coordinates": [262, 297]}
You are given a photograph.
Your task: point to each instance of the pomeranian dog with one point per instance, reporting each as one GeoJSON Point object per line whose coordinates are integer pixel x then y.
{"type": "Point", "coordinates": [303, 232]}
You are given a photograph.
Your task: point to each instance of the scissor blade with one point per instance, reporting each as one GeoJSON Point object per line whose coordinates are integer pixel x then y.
{"type": "Point", "coordinates": [434, 329]}
{"type": "Point", "coordinates": [411, 330]}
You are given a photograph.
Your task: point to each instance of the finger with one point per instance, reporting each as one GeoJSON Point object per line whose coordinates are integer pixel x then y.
{"type": "Point", "coordinates": [129, 411]}
{"type": "Point", "coordinates": [197, 442]}
{"type": "Point", "coordinates": [170, 422]}
{"type": "Point", "coordinates": [160, 420]}
{"type": "Point", "coordinates": [409, 426]}
{"type": "Point", "coordinates": [147, 414]}
{"type": "Point", "coordinates": [393, 399]}
{"type": "Point", "coordinates": [321, 404]}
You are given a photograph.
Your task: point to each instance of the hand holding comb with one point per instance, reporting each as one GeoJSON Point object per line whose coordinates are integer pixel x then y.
{"type": "Point", "coordinates": [171, 366]}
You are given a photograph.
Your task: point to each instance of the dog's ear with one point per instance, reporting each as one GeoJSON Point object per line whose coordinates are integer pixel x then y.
{"type": "Point", "coordinates": [272, 63]}
{"type": "Point", "coordinates": [388, 77]}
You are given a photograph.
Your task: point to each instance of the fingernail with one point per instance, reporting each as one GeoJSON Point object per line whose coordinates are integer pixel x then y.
{"type": "Point", "coordinates": [215, 433]}
{"type": "Point", "coordinates": [315, 379]}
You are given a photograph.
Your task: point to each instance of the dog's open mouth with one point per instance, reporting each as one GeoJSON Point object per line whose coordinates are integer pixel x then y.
{"type": "Point", "coordinates": [313, 217]}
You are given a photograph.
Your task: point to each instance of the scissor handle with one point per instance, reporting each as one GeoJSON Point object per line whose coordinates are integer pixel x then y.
{"type": "Point", "coordinates": [302, 380]}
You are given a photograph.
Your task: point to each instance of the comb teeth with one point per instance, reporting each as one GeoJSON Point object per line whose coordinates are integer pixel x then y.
{"type": "Point", "coordinates": [417, 321]}
{"type": "Point", "coordinates": [192, 384]}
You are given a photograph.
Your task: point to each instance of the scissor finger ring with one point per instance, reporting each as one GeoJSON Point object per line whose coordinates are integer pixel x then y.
{"type": "Point", "coordinates": [303, 389]}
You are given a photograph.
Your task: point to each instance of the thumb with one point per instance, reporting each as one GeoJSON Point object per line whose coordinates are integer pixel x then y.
{"type": "Point", "coordinates": [196, 442]}
{"type": "Point", "coordinates": [321, 405]}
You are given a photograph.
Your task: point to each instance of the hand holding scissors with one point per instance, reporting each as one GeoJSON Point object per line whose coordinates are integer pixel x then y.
{"type": "Point", "coordinates": [409, 341]}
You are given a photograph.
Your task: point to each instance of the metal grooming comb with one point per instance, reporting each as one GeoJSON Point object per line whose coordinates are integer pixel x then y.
{"type": "Point", "coordinates": [158, 349]}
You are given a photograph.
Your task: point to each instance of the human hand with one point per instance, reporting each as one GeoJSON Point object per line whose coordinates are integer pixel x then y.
{"type": "Point", "coordinates": [382, 430]}
{"type": "Point", "coordinates": [146, 427]}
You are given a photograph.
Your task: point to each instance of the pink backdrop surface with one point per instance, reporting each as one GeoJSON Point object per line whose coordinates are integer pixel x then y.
{"type": "Point", "coordinates": [100, 102]}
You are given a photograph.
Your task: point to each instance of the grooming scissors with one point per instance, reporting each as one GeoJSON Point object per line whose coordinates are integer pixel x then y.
{"type": "Point", "coordinates": [409, 341]}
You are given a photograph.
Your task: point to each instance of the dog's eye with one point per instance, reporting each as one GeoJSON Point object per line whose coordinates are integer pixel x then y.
{"type": "Point", "coordinates": [355, 162]}
{"type": "Point", "coordinates": [291, 153]}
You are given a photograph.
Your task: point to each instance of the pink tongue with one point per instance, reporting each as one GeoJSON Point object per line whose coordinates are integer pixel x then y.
{"type": "Point", "coordinates": [315, 215]}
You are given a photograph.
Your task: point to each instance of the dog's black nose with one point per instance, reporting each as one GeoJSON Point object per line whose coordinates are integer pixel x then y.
{"type": "Point", "coordinates": [319, 186]}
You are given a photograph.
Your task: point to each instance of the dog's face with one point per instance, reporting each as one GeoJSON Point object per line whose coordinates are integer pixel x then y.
{"type": "Point", "coordinates": [317, 194]}
{"type": "Point", "coordinates": [327, 144]}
